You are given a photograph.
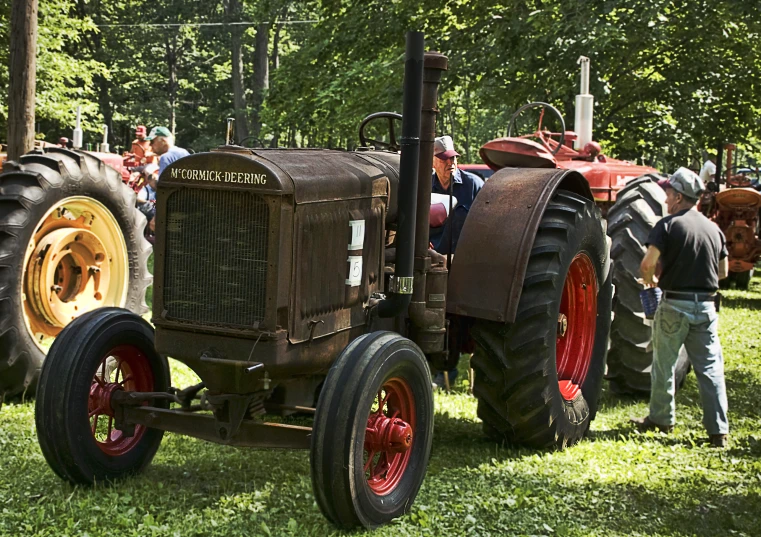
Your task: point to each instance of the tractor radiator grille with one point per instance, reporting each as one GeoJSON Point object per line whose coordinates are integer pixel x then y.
{"type": "Point", "coordinates": [216, 258]}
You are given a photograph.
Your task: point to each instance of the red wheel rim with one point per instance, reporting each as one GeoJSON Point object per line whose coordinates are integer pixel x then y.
{"type": "Point", "coordinates": [389, 436]}
{"type": "Point", "coordinates": [123, 368]}
{"type": "Point", "coordinates": [577, 322]}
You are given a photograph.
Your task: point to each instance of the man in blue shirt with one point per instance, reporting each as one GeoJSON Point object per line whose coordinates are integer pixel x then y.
{"type": "Point", "coordinates": [465, 187]}
{"type": "Point", "coordinates": [162, 143]}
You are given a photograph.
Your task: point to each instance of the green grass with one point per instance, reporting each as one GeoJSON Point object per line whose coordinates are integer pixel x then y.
{"type": "Point", "coordinates": [617, 482]}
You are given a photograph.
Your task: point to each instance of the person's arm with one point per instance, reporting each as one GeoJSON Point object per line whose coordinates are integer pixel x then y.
{"type": "Point", "coordinates": [723, 268]}
{"type": "Point", "coordinates": [647, 267]}
{"type": "Point", "coordinates": [142, 196]}
{"type": "Point", "coordinates": [723, 257]}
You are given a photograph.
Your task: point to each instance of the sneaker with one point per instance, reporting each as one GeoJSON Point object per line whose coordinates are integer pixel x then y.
{"type": "Point", "coordinates": [718, 440]}
{"type": "Point", "coordinates": [646, 424]}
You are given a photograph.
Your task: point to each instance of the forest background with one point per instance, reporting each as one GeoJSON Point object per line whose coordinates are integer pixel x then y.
{"type": "Point", "coordinates": [670, 77]}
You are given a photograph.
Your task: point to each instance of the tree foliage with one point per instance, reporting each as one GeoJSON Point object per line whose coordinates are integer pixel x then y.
{"type": "Point", "coordinates": [670, 77]}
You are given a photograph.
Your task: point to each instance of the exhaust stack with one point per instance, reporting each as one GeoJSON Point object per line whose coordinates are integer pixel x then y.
{"type": "Point", "coordinates": [77, 137]}
{"type": "Point", "coordinates": [400, 294]}
{"type": "Point", "coordinates": [585, 104]}
{"type": "Point", "coordinates": [104, 145]}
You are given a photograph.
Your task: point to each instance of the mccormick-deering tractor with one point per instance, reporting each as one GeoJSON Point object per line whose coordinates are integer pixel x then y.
{"type": "Point", "coordinates": [278, 283]}
{"type": "Point", "coordinates": [632, 201]}
{"type": "Point", "coordinates": [734, 205]}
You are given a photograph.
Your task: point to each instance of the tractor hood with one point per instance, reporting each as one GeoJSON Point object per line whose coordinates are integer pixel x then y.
{"type": "Point", "coordinates": [310, 175]}
{"type": "Point", "coordinates": [516, 153]}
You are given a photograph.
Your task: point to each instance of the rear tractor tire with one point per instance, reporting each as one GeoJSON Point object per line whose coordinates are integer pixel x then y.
{"type": "Point", "coordinates": [99, 353]}
{"type": "Point", "coordinates": [372, 432]}
{"type": "Point", "coordinates": [638, 207]}
{"type": "Point", "coordinates": [538, 379]}
{"type": "Point", "coordinates": [71, 240]}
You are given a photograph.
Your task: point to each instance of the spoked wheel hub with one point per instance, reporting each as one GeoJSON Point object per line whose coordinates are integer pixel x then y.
{"type": "Point", "coordinates": [576, 326]}
{"type": "Point", "coordinates": [125, 368]}
{"type": "Point", "coordinates": [76, 261]}
{"type": "Point", "coordinates": [389, 436]}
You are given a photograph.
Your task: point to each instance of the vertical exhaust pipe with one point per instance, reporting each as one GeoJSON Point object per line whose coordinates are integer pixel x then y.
{"type": "Point", "coordinates": [77, 137]}
{"type": "Point", "coordinates": [400, 292]}
{"type": "Point", "coordinates": [585, 104]}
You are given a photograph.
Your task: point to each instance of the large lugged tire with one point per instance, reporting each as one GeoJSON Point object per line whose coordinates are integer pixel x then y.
{"type": "Point", "coordinates": [99, 353]}
{"type": "Point", "coordinates": [71, 240]}
{"type": "Point", "coordinates": [372, 431]}
{"type": "Point", "coordinates": [538, 379]}
{"type": "Point", "coordinates": [638, 207]}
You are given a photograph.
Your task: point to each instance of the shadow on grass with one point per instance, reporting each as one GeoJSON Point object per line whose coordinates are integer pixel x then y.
{"type": "Point", "coordinates": [738, 302]}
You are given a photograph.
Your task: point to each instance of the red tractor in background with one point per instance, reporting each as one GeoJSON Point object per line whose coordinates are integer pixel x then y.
{"type": "Point", "coordinates": [632, 202]}
{"type": "Point", "coordinates": [734, 204]}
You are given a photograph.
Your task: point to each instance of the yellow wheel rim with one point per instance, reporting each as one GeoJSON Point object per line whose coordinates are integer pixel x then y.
{"type": "Point", "coordinates": [76, 261]}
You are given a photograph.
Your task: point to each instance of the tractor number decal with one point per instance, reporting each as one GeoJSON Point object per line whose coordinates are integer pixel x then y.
{"type": "Point", "coordinates": [356, 242]}
{"type": "Point", "coordinates": [355, 270]}
{"type": "Point", "coordinates": [220, 177]}
{"type": "Point", "coordinates": [357, 237]}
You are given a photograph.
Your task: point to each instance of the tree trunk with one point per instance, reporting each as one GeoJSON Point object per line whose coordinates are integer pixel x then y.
{"type": "Point", "coordinates": [171, 61]}
{"type": "Point", "coordinates": [23, 78]}
{"type": "Point", "coordinates": [274, 64]}
{"type": "Point", "coordinates": [234, 9]}
{"type": "Point", "coordinates": [261, 75]}
{"type": "Point", "coordinates": [104, 101]}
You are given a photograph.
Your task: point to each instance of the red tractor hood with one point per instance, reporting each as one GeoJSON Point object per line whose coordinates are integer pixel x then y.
{"type": "Point", "coordinates": [605, 175]}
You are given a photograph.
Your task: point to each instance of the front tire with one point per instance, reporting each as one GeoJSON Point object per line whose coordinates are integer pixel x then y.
{"type": "Point", "coordinates": [372, 431]}
{"type": "Point", "coordinates": [102, 351]}
{"type": "Point", "coordinates": [538, 379]}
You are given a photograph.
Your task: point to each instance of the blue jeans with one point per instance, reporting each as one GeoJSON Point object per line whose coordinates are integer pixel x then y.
{"type": "Point", "coordinates": [694, 325]}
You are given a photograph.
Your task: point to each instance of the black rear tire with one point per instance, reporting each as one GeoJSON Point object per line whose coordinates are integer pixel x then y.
{"type": "Point", "coordinates": [28, 192]}
{"type": "Point", "coordinates": [346, 494]}
{"type": "Point", "coordinates": [516, 374]}
{"type": "Point", "coordinates": [78, 358]}
{"type": "Point", "coordinates": [638, 207]}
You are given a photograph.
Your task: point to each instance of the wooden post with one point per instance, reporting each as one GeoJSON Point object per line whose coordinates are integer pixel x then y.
{"type": "Point", "coordinates": [23, 78]}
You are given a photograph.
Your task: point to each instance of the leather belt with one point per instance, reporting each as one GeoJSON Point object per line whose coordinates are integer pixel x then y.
{"type": "Point", "coordinates": [695, 297]}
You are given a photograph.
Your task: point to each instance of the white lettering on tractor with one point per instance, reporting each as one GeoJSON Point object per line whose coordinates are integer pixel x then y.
{"type": "Point", "coordinates": [225, 177]}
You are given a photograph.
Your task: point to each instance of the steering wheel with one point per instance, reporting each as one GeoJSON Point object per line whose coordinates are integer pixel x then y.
{"type": "Point", "coordinates": [392, 144]}
{"type": "Point", "coordinates": [544, 135]}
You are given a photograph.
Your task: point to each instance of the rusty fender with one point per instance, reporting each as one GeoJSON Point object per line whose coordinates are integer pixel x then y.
{"type": "Point", "coordinates": [487, 273]}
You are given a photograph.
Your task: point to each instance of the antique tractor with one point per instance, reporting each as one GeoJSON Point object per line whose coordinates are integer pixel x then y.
{"type": "Point", "coordinates": [627, 195]}
{"type": "Point", "coordinates": [71, 240]}
{"type": "Point", "coordinates": [734, 205]}
{"type": "Point", "coordinates": [278, 283]}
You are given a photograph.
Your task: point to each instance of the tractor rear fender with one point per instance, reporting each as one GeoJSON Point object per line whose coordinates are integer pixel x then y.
{"type": "Point", "coordinates": [494, 247]}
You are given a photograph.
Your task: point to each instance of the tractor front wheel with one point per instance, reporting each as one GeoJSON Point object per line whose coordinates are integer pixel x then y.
{"type": "Point", "coordinates": [372, 431]}
{"type": "Point", "coordinates": [538, 379]}
{"type": "Point", "coordinates": [102, 352]}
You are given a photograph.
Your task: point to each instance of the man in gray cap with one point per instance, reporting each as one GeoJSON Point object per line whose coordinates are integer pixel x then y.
{"type": "Point", "coordinates": [693, 257]}
{"type": "Point", "coordinates": [465, 187]}
{"type": "Point", "coordinates": [162, 143]}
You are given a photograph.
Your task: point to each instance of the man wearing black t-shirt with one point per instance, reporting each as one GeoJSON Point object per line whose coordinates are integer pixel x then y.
{"type": "Point", "coordinates": [693, 256]}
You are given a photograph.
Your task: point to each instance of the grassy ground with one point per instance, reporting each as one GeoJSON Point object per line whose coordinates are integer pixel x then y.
{"type": "Point", "coordinates": [617, 482]}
